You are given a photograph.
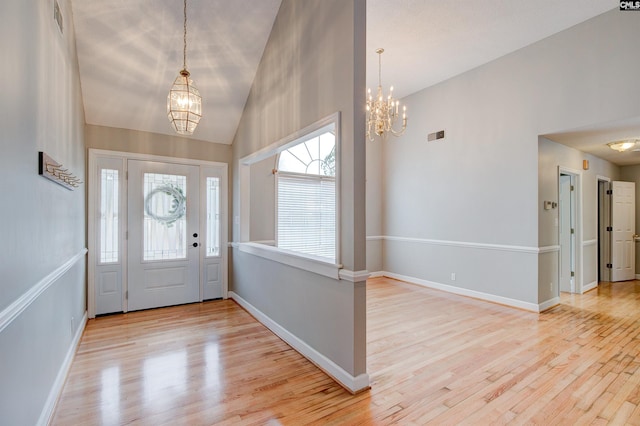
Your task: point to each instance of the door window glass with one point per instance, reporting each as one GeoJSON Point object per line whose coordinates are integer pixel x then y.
{"type": "Point", "coordinates": [213, 217]}
{"type": "Point", "coordinates": [109, 216]}
{"type": "Point", "coordinates": [165, 223]}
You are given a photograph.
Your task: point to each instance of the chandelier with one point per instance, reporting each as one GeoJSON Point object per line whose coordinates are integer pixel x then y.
{"type": "Point", "coordinates": [625, 145]}
{"type": "Point", "coordinates": [382, 113]}
{"type": "Point", "coordinates": [184, 104]}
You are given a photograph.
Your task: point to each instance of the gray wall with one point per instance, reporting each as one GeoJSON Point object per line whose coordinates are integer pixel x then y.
{"type": "Point", "coordinates": [551, 156]}
{"type": "Point", "coordinates": [42, 224]}
{"type": "Point", "coordinates": [125, 140]}
{"type": "Point", "coordinates": [480, 184]}
{"type": "Point", "coordinates": [312, 67]}
{"type": "Point", "coordinates": [375, 203]}
{"type": "Point", "coordinates": [263, 201]}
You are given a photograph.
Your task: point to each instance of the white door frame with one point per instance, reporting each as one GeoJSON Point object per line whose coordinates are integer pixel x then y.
{"type": "Point", "coordinates": [93, 202]}
{"type": "Point", "coordinates": [577, 220]}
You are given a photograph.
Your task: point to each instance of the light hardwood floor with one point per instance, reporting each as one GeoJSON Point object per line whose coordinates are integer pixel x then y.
{"type": "Point", "coordinates": [433, 358]}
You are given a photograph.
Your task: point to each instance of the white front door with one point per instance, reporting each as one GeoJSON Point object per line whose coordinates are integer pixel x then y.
{"type": "Point", "coordinates": [163, 238]}
{"type": "Point", "coordinates": [623, 221]}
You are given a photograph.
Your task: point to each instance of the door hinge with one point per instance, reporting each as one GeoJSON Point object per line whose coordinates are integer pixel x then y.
{"type": "Point", "coordinates": [126, 294]}
{"type": "Point", "coordinates": [573, 231]}
{"type": "Point", "coordinates": [609, 191]}
{"type": "Point", "coordinates": [572, 187]}
{"type": "Point", "coordinates": [573, 274]}
{"type": "Point", "coordinates": [609, 265]}
{"type": "Point", "coordinates": [609, 228]}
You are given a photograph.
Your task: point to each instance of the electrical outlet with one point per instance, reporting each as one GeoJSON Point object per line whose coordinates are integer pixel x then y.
{"type": "Point", "coordinates": [453, 276]}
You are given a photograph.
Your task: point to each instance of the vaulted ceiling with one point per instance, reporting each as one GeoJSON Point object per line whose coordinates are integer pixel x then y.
{"type": "Point", "coordinates": [130, 51]}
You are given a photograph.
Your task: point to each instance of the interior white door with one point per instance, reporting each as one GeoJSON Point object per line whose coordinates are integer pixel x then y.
{"type": "Point", "coordinates": [163, 243]}
{"type": "Point", "coordinates": [566, 234]}
{"type": "Point", "coordinates": [623, 222]}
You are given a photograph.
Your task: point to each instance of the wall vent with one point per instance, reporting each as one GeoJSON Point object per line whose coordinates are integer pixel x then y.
{"type": "Point", "coordinates": [435, 136]}
{"type": "Point", "coordinates": [57, 15]}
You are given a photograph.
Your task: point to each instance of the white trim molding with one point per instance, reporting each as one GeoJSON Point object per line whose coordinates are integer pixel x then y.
{"type": "Point", "coordinates": [354, 276]}
{"type": "Point", "coordinates": [533, 307]}
{"type": "Point", "coordinates": [271, 243]}
{"type": "Point", "coordinates": [61, 377]}
{"type": "Point", "coordinates": [95, 152]}
{"type": "Point", "coordinates": [548, 304]}
{"type": "Point", "coordinates": [589, 243]}
{"type": "Point", "coordinates": [376, 274]}
{"type": "Point", "coordinates": [466, 244]}
{"type": "Point", "coordinates": [590, 286]}
{"type": "Point", "coordinates": [351, 383]}
{"type": "Point", "coordinates": [548, 249]}
{"type": "Point", "coordinates": [12, 311]}
{"type": "Point", "coordinates": [309, 263]}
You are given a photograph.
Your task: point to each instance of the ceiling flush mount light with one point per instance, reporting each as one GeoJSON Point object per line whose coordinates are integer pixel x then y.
{"type": "Point", "coordinates": [625, 145]}
{"type": "Point", "coordinates": [184, 104]}
{"type": "Point", "coordinates": [382, 112]}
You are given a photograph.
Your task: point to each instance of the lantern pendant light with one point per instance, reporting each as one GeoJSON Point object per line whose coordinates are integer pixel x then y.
{"type": "Point", "coordinates": [184, 104]}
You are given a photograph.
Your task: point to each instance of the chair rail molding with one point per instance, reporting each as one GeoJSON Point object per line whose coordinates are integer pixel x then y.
{"type": "Point", "coordinates": [18, 306]}
{"type": "Point", "coordinates": [467, 244]}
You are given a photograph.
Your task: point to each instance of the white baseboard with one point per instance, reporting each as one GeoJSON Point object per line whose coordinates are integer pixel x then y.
{"type": "Point", "coordinates": [533, 307]}
{"type": "Point", "coordinates": [590, 286]}
{"type": "Point", "coordinates": [377, 274]}
{"type": "Point", "coordinates": [548, 304]}
{"type": "Point", "coordinates": [351, 383]}
{"type": "Point", "coordinates": [353, 276]}
{"type": "Point", "coordinates": [58, 384]}
{"type": "Point", "coordinates": [637, 276]}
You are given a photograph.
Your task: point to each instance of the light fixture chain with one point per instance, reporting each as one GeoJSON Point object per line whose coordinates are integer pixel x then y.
{"type": "Point", "coordinates": [184, 103]}
{"type": "Point", "coordinates": [379, 69]}
{"type": "Point", "coordinates": [184, 51]}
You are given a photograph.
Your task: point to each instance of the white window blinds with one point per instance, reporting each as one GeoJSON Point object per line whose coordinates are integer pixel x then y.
{"type": "Point", "coordinates": [307, 214]}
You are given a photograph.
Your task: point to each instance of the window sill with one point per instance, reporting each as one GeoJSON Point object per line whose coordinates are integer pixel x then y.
{"type": "Point", "coordinates": [309, 263]}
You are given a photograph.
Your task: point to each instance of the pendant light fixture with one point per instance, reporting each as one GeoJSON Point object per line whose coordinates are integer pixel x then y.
{"type": "Point", "coordinates": [382, 113]}
{"type": "Point", "coordinates": [184, 104]}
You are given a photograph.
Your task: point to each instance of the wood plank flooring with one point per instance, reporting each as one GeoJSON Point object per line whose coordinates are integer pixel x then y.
{"type": "Point", "coordinates": [433, 358]}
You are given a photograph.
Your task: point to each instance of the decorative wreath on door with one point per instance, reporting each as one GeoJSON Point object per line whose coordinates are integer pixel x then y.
{"type": "Point", "coordinates": [177, 209]}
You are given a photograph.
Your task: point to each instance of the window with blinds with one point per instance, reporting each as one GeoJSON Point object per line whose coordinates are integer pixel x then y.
{"type": "Point", "coordinates": [306, 197]}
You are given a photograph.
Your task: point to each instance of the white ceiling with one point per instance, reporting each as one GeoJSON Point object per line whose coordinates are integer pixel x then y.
{"type": "Point", "coordinates": [130, 51]}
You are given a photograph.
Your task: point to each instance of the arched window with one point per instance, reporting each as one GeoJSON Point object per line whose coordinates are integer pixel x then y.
{"type": "Point", "coordinates": [306, 196]}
